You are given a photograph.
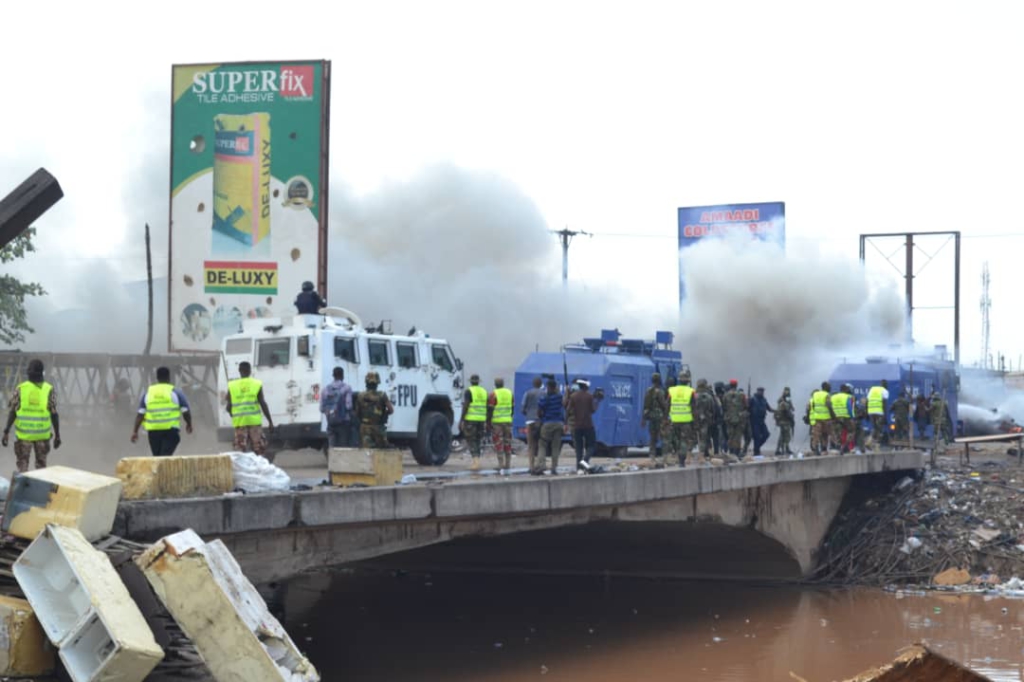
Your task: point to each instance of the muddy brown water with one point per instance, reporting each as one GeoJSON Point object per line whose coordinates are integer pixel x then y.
{"type": "Point", "coordinates": [381, 625]}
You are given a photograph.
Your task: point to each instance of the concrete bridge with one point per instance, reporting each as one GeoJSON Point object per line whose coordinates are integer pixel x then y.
{"type": "Point", "coordinates": [763, 519]}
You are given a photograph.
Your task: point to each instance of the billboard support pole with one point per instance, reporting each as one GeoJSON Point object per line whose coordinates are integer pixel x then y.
{"type": "Point", "coordinates": [909, 272]}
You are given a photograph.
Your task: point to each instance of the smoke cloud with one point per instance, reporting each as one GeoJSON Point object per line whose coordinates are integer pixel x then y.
{"type": "Point", "coordinates": [780, 318]}
{"type": "Point", "coordinates": [466, 256]}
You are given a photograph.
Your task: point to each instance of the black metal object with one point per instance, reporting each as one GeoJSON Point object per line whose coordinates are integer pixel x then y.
{"type": "Point", "coordinates": [908, 275]}
{"type": "Point", "coordinates": [28, 201]}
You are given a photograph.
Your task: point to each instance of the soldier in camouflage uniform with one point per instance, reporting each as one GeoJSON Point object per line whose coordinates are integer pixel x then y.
{"type": "Point", "coordinates": [785, 419]}
{"type": "Point", "coordinates": [748, 434]}
{"type": "Point", "coordinates": [937, 405]}
{"type": "Point", "coordinates": [669, 435]}
{"type": "Point", "coordinates": [734, 409]}
{"type": "Point", "coordinates": [901, 416]}
{"type": "Point", "coordinates": [705, 417]}
{"type": "Point", "coordinates": [655, 409]}
{"type": "Point", "coordinates": [372, 408]}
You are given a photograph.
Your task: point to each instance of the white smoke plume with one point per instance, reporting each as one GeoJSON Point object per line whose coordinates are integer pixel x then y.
{"type": "Point", "coordinates": [466, 256]}
{"type": "Point", "coordinates": [780, 318]}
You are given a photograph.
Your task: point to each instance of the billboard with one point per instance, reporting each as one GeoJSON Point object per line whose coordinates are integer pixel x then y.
{"type": "Point", "coordinates": [765, 221]}
{"type": "Point", "coordinates": [248, 223]}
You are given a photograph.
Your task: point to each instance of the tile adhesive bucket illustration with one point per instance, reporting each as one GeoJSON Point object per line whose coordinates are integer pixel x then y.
{"type": "Point", "coordinates": [241, 176]}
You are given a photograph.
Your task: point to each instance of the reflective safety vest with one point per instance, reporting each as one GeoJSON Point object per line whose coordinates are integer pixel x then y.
{"type": "Point", "coordinates": [841, 405]}
{"type": "Point", "coordinates": [819, 407]}
{"type": "Point", "coordinates": [162, 413]}
{"type": "Point", "coordinates": [502, 406]}
{"type": "Point", "coordinates": [680, 411]}
{"type": "Point", "coordinates": [876, 403]}
{"type": "Point", "coordinates": [810, 410]}
{"type": "Point", "coordinates": [32, 420]}
{"type": "Point", "coordinates": [477, 405]}
{"type": "Point", "coordinates": [245, 405]}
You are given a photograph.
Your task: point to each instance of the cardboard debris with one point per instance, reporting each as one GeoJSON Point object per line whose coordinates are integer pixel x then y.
{"type": "Point", "coordinates": [952, 576]}
{"type": "Point", "coordinates": [85, 609]}
{"type": "Point", "coordinates": [146, 478]}
{"type": "Point", "coordinates": [62, 496]}
{"type": "Point", "coordinates": [920, 664]}
{"type": "Point", "coordinates": [362, 466]}
{"type": "Point", "coordinates": [24, 649]}
{"type": "Point", "coordinates": [215, 605]}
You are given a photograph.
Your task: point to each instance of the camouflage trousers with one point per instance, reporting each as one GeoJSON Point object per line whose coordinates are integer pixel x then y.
{"type": "Point", "coordinates": [840, 427]}
{"type": "Point", "coordinates": [474, 433]}
{"type": "Point", "coordinates": [684, 437]}
{"type": "Point", "coordinates": [501, 435]}
{"type": "Point", "coordinates": [878, 429]}
{"type": "Point", "coordinates": [670, 444]}
{"type": "Point", "coordinates": [704, 437]}
{"type": "Point", "coordinates": [373, 436]}
{"type": "Point", "coordinates": [785, 437]}
{"type": "Point", "coordinates": [654, 429]}
{"type": "Point", "coordinates": [24, 448]}
{"type": "Point", "coordinates": [250, 439]}
{"type": "Point", "coordinates": [820, 435]}
{"type": "Point", "coordinates": [902, 431]}
{"type": "Point", "coordinates": [734, 432]}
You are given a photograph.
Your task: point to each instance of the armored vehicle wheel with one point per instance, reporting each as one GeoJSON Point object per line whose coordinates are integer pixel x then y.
{"type": "Point", "coordinates": [433, 440]}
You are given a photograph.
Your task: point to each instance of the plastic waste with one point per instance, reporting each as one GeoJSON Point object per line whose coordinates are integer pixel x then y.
{"type": "Point", "coordinates": [408, 478]}
{"type": "Point", "coordinates": [255, 474]}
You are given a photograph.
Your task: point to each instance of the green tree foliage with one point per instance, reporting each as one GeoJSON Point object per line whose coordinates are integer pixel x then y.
{"type": "Point", "coordinates": [13, 320]}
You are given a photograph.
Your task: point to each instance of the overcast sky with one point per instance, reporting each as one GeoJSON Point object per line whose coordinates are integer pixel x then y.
{"type": "Point", "coordinates": [862, 117]}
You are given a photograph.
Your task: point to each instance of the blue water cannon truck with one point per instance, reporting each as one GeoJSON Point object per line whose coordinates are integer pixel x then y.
{"type": "Point", "coordinates": [620, 367]}
{"type": "Point", "coordinates": [919, 376]}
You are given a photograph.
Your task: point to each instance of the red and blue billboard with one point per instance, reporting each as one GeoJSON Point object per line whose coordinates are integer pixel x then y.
{"type": "Point", "coordinates": [764, 222]}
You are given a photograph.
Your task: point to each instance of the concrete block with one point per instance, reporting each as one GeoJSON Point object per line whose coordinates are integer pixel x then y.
{"type": "Point", "coordinates": [205, 591]}
{"type": "Point", "coordinates": [85, 609]}
{"type": "Point", "coordinates": [147, 478]}
{"type": "Point", "coordinates": [24, 649]}
{"type": "Point", "coordinates": [62, 496]}
{"type": "Point", "coordinates": [363, 466]}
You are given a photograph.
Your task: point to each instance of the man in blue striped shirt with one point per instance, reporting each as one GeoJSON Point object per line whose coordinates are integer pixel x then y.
{"type": "Point", "coordinates": [551, 413]}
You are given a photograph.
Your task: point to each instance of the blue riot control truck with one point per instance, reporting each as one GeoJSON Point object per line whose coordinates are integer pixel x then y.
{"type": "Point", "coordinates": [919, 376]}
{"type": "Point", "coordinates": [621, 367]}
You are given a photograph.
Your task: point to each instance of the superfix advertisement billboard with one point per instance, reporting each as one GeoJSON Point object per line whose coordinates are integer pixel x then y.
{"type": "Point", "coordinates": [248, 223]}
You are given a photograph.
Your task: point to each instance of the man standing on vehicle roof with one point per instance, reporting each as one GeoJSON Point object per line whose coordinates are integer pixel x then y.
{"type": "Point", "coordinates": [161, 409]}
{"type": "Point", "coordinates": [499, 419]}
{"type": "Point", "coordinates": [551, 413]}
{"type": "Point", "coordinates": [474, 419]}
{"type": "Point", "coordinates": [878, 400]}
{"type": "Point", "coordinates": [245, 401]}
{"type": "Point", "coordinates": [529, 407]}
{"type": "Point", "coordinates": [655, 409]}
{"type": "Point", "coordinates": [372, 410]}
{"type": "Point", "coordinates": [336, 406]}
{"type": "Point", "coordinates": [33, 413]}
{"type": "Point", "coordinates": [309, 302]}
{"type": "Point", "coordinates": [584, 437]}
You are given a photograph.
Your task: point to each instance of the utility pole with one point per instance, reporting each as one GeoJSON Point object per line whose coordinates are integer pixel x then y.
{"type": "Point", "coordinates": [565, 236]}
{"type": "Point", "coordinates": [986, 303]}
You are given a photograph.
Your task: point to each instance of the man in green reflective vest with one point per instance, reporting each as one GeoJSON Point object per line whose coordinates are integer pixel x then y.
{"type": "Point", "coordinates": [499, 416]}
{"type": "Point", "coordinates": [878, 398]}
{"type": "Point", "coordinates": [681, 407]}
{"type": "Point", "coordinates": [474, 419]}
{"type": "Point", "coordinates": [33, 413]}
{"type": "Point", "coordinates": [161, 410]}
{"type": "Point", "coordinates": [821, 419]}
{"type": "Point", "coordinates": [245, 402]}
{"type": "Point", "coordinates": [842, 417]}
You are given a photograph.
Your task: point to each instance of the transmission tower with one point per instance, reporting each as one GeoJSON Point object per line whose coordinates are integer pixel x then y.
{"type": "Point", "coordinates": [986, 304]}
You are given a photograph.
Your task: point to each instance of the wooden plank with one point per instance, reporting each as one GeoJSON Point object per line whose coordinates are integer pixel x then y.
{"type": "Point", "coordinates": [997, 438]}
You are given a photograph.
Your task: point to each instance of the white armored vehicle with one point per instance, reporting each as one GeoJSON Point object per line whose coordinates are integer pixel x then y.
{"type": "Point", "coordinates": [295, 358]}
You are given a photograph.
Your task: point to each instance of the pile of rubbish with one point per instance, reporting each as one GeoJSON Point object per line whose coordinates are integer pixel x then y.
{"type": "Point", "coordinates": [954, 527]}
{"type": "Point", "coordinates": [76, 600]}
